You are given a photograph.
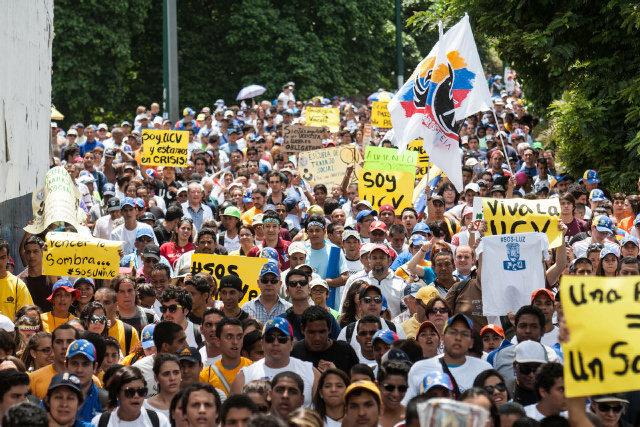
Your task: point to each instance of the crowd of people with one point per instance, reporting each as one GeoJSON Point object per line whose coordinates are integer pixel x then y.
{"type": "Point", "coordinates": [363, 313]}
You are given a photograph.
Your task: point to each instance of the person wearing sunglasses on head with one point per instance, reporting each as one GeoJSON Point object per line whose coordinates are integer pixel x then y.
{"type": "Point", "coordinates": [609, 409]}
{"type": "Point", "coordinates": [392, 382]}
{"type": "Point", "coordinates": [127, 390]}
{"type": "Point", "coordinates": [269, 304]}
{"type": "Point", "coordinates": [277, 343]}
{"type": "Point", "coordinates": [82, 361]}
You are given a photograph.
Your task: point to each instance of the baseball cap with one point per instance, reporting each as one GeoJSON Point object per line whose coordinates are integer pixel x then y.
{"type": "Point", "coordinates": [188, 111]}
{"type": "Point", "coordinates": [232, 211]}
{"type": "Point", "coordinates": [6, 324]}
{"type": "Point", "coordinates": [350, 233]}
{"type": "Point", "coordinates": [629, 239]}
{"type": "Point", "coordinates": [365, 289]}
{"type": "Point", "coordinates": [614, 397]}
{"type": "Point", "coordinates": [540, 186]}
{"type": "Point", "coordinates": [315, 210]}
{"type": "Point", "coordinates": [386, 335]}
{"type": "Point", "coordinates": [65, 285]}
{"type": "Point", "coordinates": [144, 231]}
{"type": "Point", "coordinates": [147, 216]}
{"type": "Point", "coordinates": [86, 280]}
{"type": "Point", "coordinates": [426, 294]}
{"type": "Point", "coordinates": [278, 323]}
{"type": "Point", "coordinates": [365, 204]}
{"type": "Point", "coordinates": [127, 201]}
{"type": "Point", "coordinates": [380, 247]}
{"type": "Point", "coordinates": [397, 355]}
{"type": "Point", "coordinates": [411, 289]}
{"type": "Point", "coordinates": [590, 177]}
{"type": "Point", "coordinates": [146, 337]}
{"type": "Point", "coordinates": [109, 189]}
{"type": "Point", "coordinates": [139, 202]}
{"type": "Point", "coordinates": [297, 248]}
{"type": "Point", "coordinates": [113, 204]}
{"type": "Point", "coordinates": [545, 291]}
{"type": "Point", "coordinates": [492, 328]}
{"type": "Point", "coordinates": [597, 195]}
{"type": "Point", "coordinates": [362, 214]}
{"type": "Point", "coordinates": [421, 227]}
{"type": "Point", "coordinates": [230, 281]}
{"type": "Point", "coordinates": [435, 379]}
{"type": "Point", "coordinates": [497, 189]}
{"type": "Point", "coordinates": [530, 352]}
{"type": "Point", "coordinates": [270, 267]}
{"type": "Point", "coordinates": [66, 379]}
{"type": "Point", "coordinates": [378, 225]}
{"type": "Point", "coordinates": [366, 248]}
{"type": "Point", "coordinates": [603, 224]}
{"type": "Point", "coordinates": [427, 324]}
{"type": "Point", "coordinates": [72, 132]}
{"type": "Point", "coordinates": [82, 347]}
{"type": "Point", "coordinates": [257, 220]}
{"type": "Point", "coordinates": [85, 177]}
{"type": "Point", "coordinates": [103, 126]}
{"type": "Point", "coordinates": [610, 250]}
{"type": "Point", "coordinates": [109, 152]}
{"type": "Point", "coordinates": [417, 240]}
{"type": "Point", "coordinates": [437, 198]}
{"type": "Point", "coordinates": [363, 385]}
{"type": "Point", "coordinates": [318, 282]}
{"type": "Point", "coordinates": [386, 208]}
{"type": "Point", "coordinates": [190, 354]}
{"type": "Point", "coordinates": [182, 190]}
{"type": "Point", "coordinates": [459, 316]}
{"type": "Point", "coordinates": [151, 250]}
{"type": "Point", "coordinates": [473, 187]}
{"type": "Point", "coordinates": [269, 253]}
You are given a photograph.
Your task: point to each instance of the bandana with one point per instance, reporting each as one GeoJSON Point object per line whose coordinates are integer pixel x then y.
{"type": "Point", "coordinates": [270, 220]}
{"type": "Point", "coordinates": [35, 328]}
{"type": "Point", "coordinates": [316, 223]}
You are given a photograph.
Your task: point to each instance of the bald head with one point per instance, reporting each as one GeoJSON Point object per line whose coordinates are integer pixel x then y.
{"type": "Point", "coordinates": [464, 259]}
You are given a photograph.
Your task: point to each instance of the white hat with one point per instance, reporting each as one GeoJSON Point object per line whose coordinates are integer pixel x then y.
{"type": "Point", "coordinates": [86, 177]}
{"type": "Point", "coordinates": [103, 126]}
{"type": "Point", "coordinates": [531, 352]}
{"type": "Point", "coordinates": [472, 186]}
{"type": "Point", "coordinates": [6, 324]}
{"type": "Point", "coordinates": [366, 248]}
{"type": "Point", "coordinates": [297, 248]}
{"type": "Point", "coordinates": [158, 120]}
{"type": "Point", "coordinates": [228, 114]}
{"type": "Point", "coordinates": [471, 162]}
{"type": "Point", "coordinates": [72, 132]}
{"type": "Point", "coordinates": [318, 282]}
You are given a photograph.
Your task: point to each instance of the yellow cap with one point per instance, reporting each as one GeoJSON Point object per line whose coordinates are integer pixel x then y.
{"type": "Point", "coordinates": [315, 210]}
{"type": "Point", "coordinates": [363, 385]}
{"type": "Point", "coordinates": [426, 294]}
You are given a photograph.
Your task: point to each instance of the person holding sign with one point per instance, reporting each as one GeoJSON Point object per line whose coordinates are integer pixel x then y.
{"type": "Point", "coordinates": [62, 295]}
{"type": "Point", "coordinates": [13, 292]}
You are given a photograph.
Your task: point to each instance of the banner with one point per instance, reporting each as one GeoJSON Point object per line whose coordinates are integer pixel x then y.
{"type": "Point", "coordinates": [382, 187]}
{"type": "Point", "coordinates": [320, 116]}
{"type": "Point", "coordinates": [510, 216]}
{"type": "Point", "coordinates": [302, 138]}
{"type": "Point", "coordinates": [389, 159]}
{"type": "Point", "coordinates": [57, 201]}
{"type": "Point", "coordinates": [380, 116]}
{"type": "Point", "coordinates": [327, 166]}
{"type": "Point", "coordinates": [164, 147]}
{"type": "Point", "coordinates": [417, 145]}
{"type": "Point", "coordinates": [70, 254]}
{"type": "Point", "coordinates": [218, 266]}
{"type": "Point", "coordinates": [603, 352]}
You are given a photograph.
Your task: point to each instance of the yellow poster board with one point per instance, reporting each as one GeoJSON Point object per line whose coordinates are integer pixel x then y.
{"type": "Point", "coordinates": [511, 216]}
{"type": "Point", "coordinates": [423, 157]}
{"type": "Point", "coordinates": [383, 187]}
{"type": "Point", "coordinates": [320, 116]}
{"type": "Point", "coordinates": [70, 254]}
{"type": "Point", "coordinates": [218, 266]}
{"type": "Point", "coordinates": [380, 115]}
{"type": "Point", "coordinates": [328, 165]}
{"type": "Point", "coordinates": [164, 147]}
{"type": "Point", "coordinates": [603, 352]}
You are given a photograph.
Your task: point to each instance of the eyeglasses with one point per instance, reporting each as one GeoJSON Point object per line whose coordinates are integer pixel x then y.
{"type": "Point", "coordinates": [267, 281]}
{"type": "Point", "coordinates": [295, 283]}
{"type": "Point", "coordinates": [390, 388]}
{"type": "Point", "coordinates": [129, 393]}
{"type": "Point", "coordinates": [606, 407]}
{"type": "Point", "coordinates": [170, 308]}
{"type": "Point", "coordinates": [439, 311]}
{"type": "Point", "coordinates": [98, 319]}
{"type": "Point", "coordinates": [529, 368]}
{"type": "Point", "coordinates": [501, 387]}
{"type": "Point", "coordinates": [270, 339]}
{"type": "Point", "coordinates": [369, 300]}
{"type": "Point", "coordinates": [367, 333]}
{"type": "Point", "coordinates": [46, 350]}
{"type": "Point", "coordinates": [457, 333]}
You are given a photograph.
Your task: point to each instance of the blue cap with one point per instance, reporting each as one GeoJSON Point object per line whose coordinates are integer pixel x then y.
{"type": "Point", "coordinates": [127, 201]}
{"type": "Point", "coordinates": [109, 189]}
{"type": "Point", "coordinates": [82, 347]}
{"type": "Point", "coordinates": [364, 213]}
{"type": "Point", "coordinates": [597, 195]}
{"type": "Point", "coordinates": [421, 227]}
{"type": "Point", "coordinates": [139, 202]}
{"type": "Point", "coordinates": [435, 379]}
{"type": "Point", "coordinates": [146, 338]}
{"type": "Point", "coordinates": [270, 267]}
{"type": "Point", "coordinates": [629, 239]}
{"type": "Point", "coordinates": [144, 231]}
{"type": "Point", "coordinates": [86, 280]}
{"type": "Point", "coordinates": [270, 253]}
{"type": "Point", "coordinates": [66, 285]}
{"type": "Point", "coordinates": [66, 379]}
{"type": "Point", "coordinates": [417, 240]}
{"type": "Point", "coordinates": [590, 177]}
{"type": "Point", "coordinates": [459, 316]}
{"type": "Point", "coordinates": [603, 224]}
{"type": "Point", "coordinates": [386, 335]}
{"type": "Point", "coordinates": [411, 289]}
{"type": "Point", "coordinates": [280, 324]}
{"type": "Point", "coordinates": [610, 250]}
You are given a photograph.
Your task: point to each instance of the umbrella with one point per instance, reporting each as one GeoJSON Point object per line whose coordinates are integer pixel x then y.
{"type": "Point", "coordinates": [55, 114]}
{"type": "Point", "coordinates": [381, 95]}
{"type": "Point", "coordinates": [250, 92]}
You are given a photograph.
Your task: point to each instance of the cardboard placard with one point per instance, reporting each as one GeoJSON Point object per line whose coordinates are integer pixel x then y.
{"type": "Point", "coordinates": [299, 138]}
{"type": "Point", "coordinates": [380, 116]}
{"type": "Point", "coordinates": [327, 166]}
{"type": "Point", "coordinates": [321, 117]}
{"type": "Point", "coordinates": [390, 159]}
{"type": "Point", "coordinates": [164, 147]}
{"type": "Point", "coordinates": [70, 254]}
{"type": "Point", "coordinates": [417, 145]}
{"type": "Point", "coordinates": [381, 187]}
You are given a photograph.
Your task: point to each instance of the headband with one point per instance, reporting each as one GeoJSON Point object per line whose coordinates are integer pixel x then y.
{"type": "Point", "coordinates": [316, 223]}
{"type": "Point", "coordinates": [270, 219]}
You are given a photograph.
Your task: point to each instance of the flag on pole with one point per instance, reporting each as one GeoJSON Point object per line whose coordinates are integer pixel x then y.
{"type": "Point", "coordinates": [445, 88]}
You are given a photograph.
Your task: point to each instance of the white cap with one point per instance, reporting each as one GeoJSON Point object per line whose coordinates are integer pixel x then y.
{"type": "Point", "coordinates": [158, 120]}
{"type": "Point", "coordinates": [318, 282]}
{"type": "Point", "coordinates": [86, 177]}
{"type": "Point", "coordinates": [471, 162]}
{"type": "Point", "coordinates": [6, 324]}
{"type": "Point", "coordinates": [366, 248]}
{"type": "Point", "coordinates": [103, 126]}
{"type": "Point", "coordinates": [72, 132]}
{"type": "Point", "coordinates": [531, 352]}
{"type": "Point", "coordinates": [472, 186]}
{"type": "Point", "coordinates": [297, 248]}
{"type": "Point", "coordinates": [228, 114]}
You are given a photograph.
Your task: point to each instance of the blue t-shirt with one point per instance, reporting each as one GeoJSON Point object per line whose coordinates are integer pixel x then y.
{"type": "Point", "coordinates": [90, 146]}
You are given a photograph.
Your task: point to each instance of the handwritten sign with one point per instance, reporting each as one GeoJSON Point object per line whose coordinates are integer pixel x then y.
{"type": "Point", "coordinates": [389, 159]}
{"type": "Point", "coordinates": [603, 317]}
{"type": "Point", "coordinates": [70, 254]}
{"type": "Point", "coordinates": [218, 266]}
{"type": "Point", "coordinates": [511, 216]}
{"type": "Point", "coordinates": [382, 187]}
{"type": "Point", "coordinates": [417, 145]}
{"type": "Point", "coordinates": [164, 147]}
{"type": "Point", "coordinates": [302, 138]}
{"type": "Point", "coordinates": [321, 117]}
{"type": "Point", "coordinates": [327, 166]}
{"type": "Point", "coordinates": [380, 116]}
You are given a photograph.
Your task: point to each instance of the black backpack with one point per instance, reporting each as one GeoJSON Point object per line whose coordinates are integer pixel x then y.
{"type": "Point", "coordinates": [153, 416]}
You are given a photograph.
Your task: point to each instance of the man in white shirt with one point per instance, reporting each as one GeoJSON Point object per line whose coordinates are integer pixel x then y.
{"type": "Point", "coordinates": [194, 208]}
{"type": "Point", "coordinates": [127, 232]}
{"type": "Point", "coordinates": [105, 224]}
{"type": "Point", "coordinates": [382, 276]}
{"type": "Point", "coordinates": [549, 386]}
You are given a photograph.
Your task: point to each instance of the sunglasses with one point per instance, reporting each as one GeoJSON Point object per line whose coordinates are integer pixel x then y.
{"type": "Point", "coordinates": [607, 407]}
{"type": "Point", "coordinates": [390, 388]}
{"type": "Point", "coordinates": [270, 339]}
{"type": "Point", "coordinates": [501, 387]}
{"type": "Point", "coordinates": [528, 368]}
{"type": "Point", "coordinates": [98, 319]}
{"type": "Point", "coordinates": [367, 333]}
{"type": "Point", "coordinates": [295, 283]}
{"type": "Point", "coordinates": [438, 311]}
{"type": "Point", "coordinates": [369, 300]}
{"type": "Point", "coordinates": [129, 393]}
{"type": "Point", "coordinates": [273, 281]}
{"type": "Point", "coordinates": [170, 308]}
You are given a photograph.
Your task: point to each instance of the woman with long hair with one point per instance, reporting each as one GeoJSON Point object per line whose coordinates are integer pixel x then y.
{"type": "Point", "coordinates": [87, 290]}
{"type": "Point", "coordinates": [38, 352]}
{"type": "Point", "coordinates": [247, 238]}
{"type": "Point", "coordinates": [351, 303]}
{"type": "Point", "coordinates": [609, 263]}
{"type": "Point", "coordinates": [329, 398]}
{"type": "Point", "coordinates": [493, 383]}
{"type": "Point", "coordinates": [393, 385]}
{"type": "Point", "coordinates": [30, 310]}
{"type": "Point", "coordinates": [449, 194]}
{"type": "Point", "coordinates": [181, 241]}
{"type": "Point", "coordinates": [166, 369]}
{"type": "Point", "coordinates": [94, 318]}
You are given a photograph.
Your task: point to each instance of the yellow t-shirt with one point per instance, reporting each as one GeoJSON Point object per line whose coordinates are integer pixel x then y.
{"type": "Point", "coordinates": [50, 322]}
{"type": "Point", "coordinates": [40, 379]}
{"type": "Point", "coordinates": [208, 375]}
{"type": "Point", "coordinates": [117, 331]}
{"type": "Point", "coordinates": [14, 295]}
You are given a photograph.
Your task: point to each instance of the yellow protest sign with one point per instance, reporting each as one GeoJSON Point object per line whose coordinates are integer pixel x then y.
{"type": "Point", "coordinates": [320, 116]}
{"type": "Point", "coordinates": [71, 254]}
{"type": "Point", "coordinates": [380, 116]}
{"type": "Point", "coordinates": [218, 266]}
{"type": "Point", "coordinates": [603, 316]}
{"type": "Point", "coordinates": [384, 187]}
{"type": "Point", "coordinates": [383, 158]}
{"type": "Point", "coordinates": [423, 157]}
{"type": "Point", "coordinates": [328, 165]}
{"type": "Point", "coordinates": [511, 216]}
{"type": "Point", "coordinates": [164, 147]}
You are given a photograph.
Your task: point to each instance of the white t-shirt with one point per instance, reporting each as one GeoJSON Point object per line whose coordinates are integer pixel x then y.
{"type": "Point", "coordinates": [512, 268]}
{"type": "Point", "coordinates": [231, 244]}
{"type": "Point", "coordinates": [206, 360]}
{"type": "Point", "coordinates": [532, 412]}
{"type": "Point", "coordinates": [128, 237]}
{"type": "Point", "coordinates": [549, 339]}
{"type": "Point", "coordinates": [142, 421]}
{"type": "Point", "coordinates": [260, 371]}
{"type": "Point", "coordinates": [191, 336]}
{"type": "Point", "coordinates": [464, 374]}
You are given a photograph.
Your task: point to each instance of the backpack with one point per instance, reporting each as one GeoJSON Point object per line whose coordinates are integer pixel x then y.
{"type": "Point", "coordinates": [197, 335]}
{"type": "Point", "coordinates": [128, 334]}
{"type": "Point", "coordinates": [351, 327]}
{"type": "Point", "coordinates": [103, 421]}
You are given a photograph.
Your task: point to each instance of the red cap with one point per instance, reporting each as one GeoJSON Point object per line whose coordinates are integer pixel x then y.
{"type": "Point", "coordinates": [545, 291]}
{"type": "Point", "coordinates": [386, 208]}
{"type": "Point", "coordinates": [494, 328]}
{"type": "Point", "coordinates": [378, 225]}
{"type": "Point", "coordinates": [380, 247]}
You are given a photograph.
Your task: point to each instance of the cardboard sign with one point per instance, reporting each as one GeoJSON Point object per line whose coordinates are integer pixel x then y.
{"type": "Point", "coordinates": [321, 117]}
{"type": "Point", "coordinates": [164, 147]}
{"type": "Point", "coordinates": [70, 254]}
{"type": "Point", "coordinates": [511, 216]}
{"type": "Point", "coordinates": [327, 166]}
{"type": "Point", "coordinates": [57, 201]}
{"type": "Point", "coordinates": [390, 159]}
{"type": "Point", "coordinates": [382, 187]}
{"type": "Point", "coordinates": [603, 317]}
{"type": "Point", "coordinates": [417, 145]}
{"type": "Point", "coordinates": [302, 138]}
{"type": "Point", "coordinates": [380, 116]}
{"type": "Point", "coordinates": [218, 266]}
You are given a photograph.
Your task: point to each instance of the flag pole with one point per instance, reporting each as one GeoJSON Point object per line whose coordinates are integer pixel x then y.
{"type": "Point", "coordinates": [504, 149]}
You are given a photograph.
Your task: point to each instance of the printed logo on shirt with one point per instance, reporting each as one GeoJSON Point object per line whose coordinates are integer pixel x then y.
{"type": "Point", "coordinates": [514, 263]}
{"type": "Point", "coordinates": [9, 299]}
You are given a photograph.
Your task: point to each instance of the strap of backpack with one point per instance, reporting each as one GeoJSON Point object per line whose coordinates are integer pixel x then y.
{"type": "Point", "coordinates": [197, 335]}
{"type": "Point", "coordinates": [223, 380]}
{"type": "Point", "coordinates": [153, 417]}
{"type": "Point", "coordinates": [350, 328]}
{"type": "Point", "coordinates": [104, 419]}
{"type": "Point", "coordinates": [128, 334]}
{"type": "Point", "coordinates": [445, 369]}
